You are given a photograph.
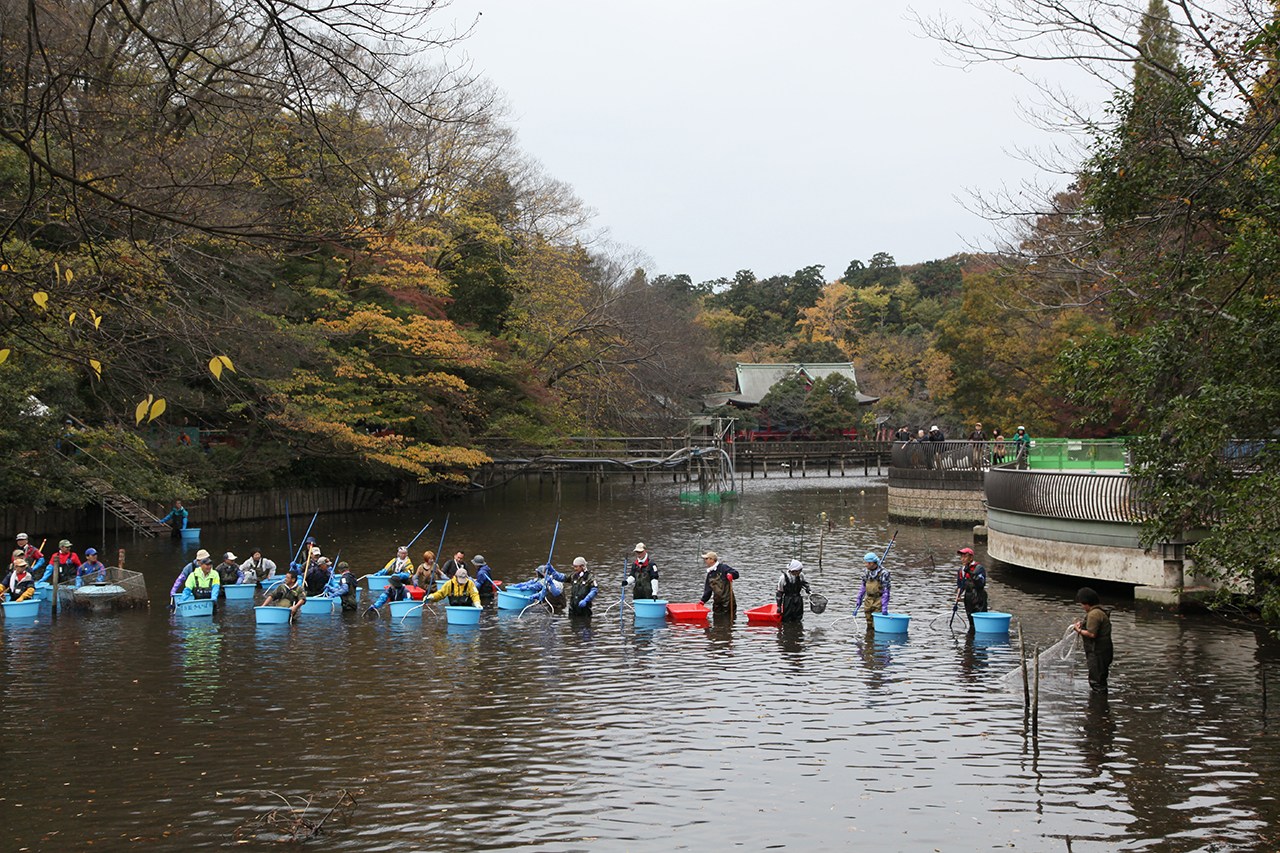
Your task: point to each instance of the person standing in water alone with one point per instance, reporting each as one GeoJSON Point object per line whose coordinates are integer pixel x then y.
{"type": "Point", "coordinates": [1095, 630]}
{"type": "Point", "coordinates": [875, 585]}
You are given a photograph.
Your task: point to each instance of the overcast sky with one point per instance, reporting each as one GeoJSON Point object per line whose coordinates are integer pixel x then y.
{"type": "Point", "coordinates": [715, 136]}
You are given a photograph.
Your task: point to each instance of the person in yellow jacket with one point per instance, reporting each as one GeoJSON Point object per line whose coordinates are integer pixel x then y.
{"type": "Point", "coordinates": [460, 590]}
{"type": "Point", "coordinates": [204, 582]}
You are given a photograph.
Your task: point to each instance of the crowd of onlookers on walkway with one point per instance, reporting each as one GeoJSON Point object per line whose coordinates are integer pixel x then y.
{"type": "Point", "coordinates": [979, 450]}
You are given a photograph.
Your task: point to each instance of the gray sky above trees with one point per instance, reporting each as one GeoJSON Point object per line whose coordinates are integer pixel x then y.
{"type": "Point", "coordinates": [717, 135]}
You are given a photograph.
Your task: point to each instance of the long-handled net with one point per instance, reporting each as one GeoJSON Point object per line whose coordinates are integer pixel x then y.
{"type": "Point", "coordinates": [1058, 662]}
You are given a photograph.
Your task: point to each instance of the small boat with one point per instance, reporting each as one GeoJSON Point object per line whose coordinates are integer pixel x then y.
{"type": "Point", "coordinates": [195, 607]}
{"type": "Point", "coordinates": [650, 608]}
{"type": "Point", "coordinates": [240, 591]}
{"type": "Point", "coordinates": [688, 612]}
{"type": "Point", "coordinates": [509, 600]}
{"type": "Point", "coordinates": [408, 607]}
{"type": "Point", "coordinates": [270, 615]}
{"type": "Point", "coordinates": [319, 606]}
{"type": "Point", "coordinates": [891, 623]}
{"type": "Point", "coordinates": [765, 615]}
{"type": "Point", "coordinates": [21, 609]}
{"type": "Point", "coordinates": [464, 615]}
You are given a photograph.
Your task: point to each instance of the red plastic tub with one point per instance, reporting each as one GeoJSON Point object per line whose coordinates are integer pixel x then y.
{"type": "Point", "coordinates": [695, 612]}
{"type": "Point", "coordinates": [767, 615]}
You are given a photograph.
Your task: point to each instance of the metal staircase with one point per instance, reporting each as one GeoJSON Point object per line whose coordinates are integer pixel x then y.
{"type": "Point", "coordinates": [123, 507]}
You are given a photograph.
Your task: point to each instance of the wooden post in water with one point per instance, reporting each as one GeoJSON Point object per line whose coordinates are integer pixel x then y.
{"type": "Point", "coordinates": [1022, 654]}
{"type": "Point", "coordinates": [1035, 697]}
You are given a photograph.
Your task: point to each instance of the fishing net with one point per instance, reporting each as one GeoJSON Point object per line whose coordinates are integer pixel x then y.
{"type": "Point", "coordinates": [112, 588]}
{"type": "Point", "coordinates": [817, 603]}
{"type": "Point", "coordinates": [1057, 663]}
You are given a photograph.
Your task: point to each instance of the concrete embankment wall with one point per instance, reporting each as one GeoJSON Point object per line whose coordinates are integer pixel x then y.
{"type": "Point", "coordinates": [954, 498]}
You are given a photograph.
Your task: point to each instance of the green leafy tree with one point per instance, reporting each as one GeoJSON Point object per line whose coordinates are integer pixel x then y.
{"type": "Point", "coordinates": [832, 405]}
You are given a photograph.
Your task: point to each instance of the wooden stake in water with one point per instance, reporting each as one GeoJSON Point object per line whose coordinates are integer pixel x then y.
{"type": "Point", "coordinates": [1035, 697]}
{"type": "Point", "coordinates": [1022, 652]}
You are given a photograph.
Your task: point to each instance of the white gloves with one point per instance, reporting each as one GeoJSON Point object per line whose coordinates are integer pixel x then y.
{"type": "Point", "coordinates": [654, 584]}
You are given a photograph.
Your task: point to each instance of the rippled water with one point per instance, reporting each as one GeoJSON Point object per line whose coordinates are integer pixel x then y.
{"type": "Point", "coordinates": [554, 734]}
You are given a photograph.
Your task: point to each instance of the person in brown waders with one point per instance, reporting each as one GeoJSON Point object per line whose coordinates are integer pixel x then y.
{"type": "Point", "coordinates": [875, 588]}
{"type": "Point", "coordinates": [719, 584]}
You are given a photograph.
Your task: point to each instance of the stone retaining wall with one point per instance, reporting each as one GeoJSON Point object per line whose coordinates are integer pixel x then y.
{"type": "Point", "coordinates": [946, 497]}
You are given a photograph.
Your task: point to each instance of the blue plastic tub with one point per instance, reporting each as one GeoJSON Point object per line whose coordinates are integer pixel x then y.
{"type": "Point", "coordinates": [271, 615]}
{"type": "Point", "coordinates": [190, 534]}
{"type": "Point", "coordinates": [891, 623]}
{"type": "Point", "coordinates": [240, 591]}
{"type": "Point", "coordinates": [268, 583]}
{"type": "Point", "coordinates": [21, 609]}
{"type": "Point", "coordinates": [318, 606]}
{"type": "Point", "coordinates": [44, 590]}
{"type": "Point", "coordinates": [377, 583]}
{"type": "Point", "coordinates": [518, 600]}
{"type": "Point", "coordinates": [408, 607]}
{"type": "Point", "coordinates": [440, 584]}
{"type": "Point", "coordinates": [195, 607]}
{"type": "Point", "coordinates": [991, 622]}
{"type": "Point", "coordinates": [464, 615]}
{"type": "Point", "coordinates": [650, 608]}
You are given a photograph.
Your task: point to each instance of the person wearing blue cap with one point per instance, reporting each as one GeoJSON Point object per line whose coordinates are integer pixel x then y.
{"type": "Point", "coordinates": [90, 565]}
{"type": "Point", "coordinates": [875, 584]}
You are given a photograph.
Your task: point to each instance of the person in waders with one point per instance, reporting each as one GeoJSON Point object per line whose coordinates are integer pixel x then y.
{"type": "Point", "coordinates": [460, 590]}
{"type": "Point", "coordinates": [1095, 629]}
{"type": "Point", "coordinates": [719, 584]}
{"type": "Point", "coordinates": [971, 585]}
{"type": "Point", "coordinates": [642, 575]}
{"type": "Point", "coordinates": [792, 588]}
{"type": "Point", "coordinates": [343, 586]}
{"type": "Point", "coordinates": [875, 587]}
{"type": "Point", "coordinates": [582, 588]}
{"type": "Point", "coordinates": [484, 580]}
{"type": "Point", "coordinates": [288, 593]}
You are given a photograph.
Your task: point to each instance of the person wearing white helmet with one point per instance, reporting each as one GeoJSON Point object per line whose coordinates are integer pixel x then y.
{"type": "Point", "coordinates": [460, 590]}
{"type": "Point", "coordinates": [1021, 446]}
{"type": "Point", "coordinates": [875, 585]}
{"type": "Point", "coordinates": [582, 588]}
{"type": "Point", "coordinates": [792, 588]}
{"type": "Point", "coordinates": [642, 574]}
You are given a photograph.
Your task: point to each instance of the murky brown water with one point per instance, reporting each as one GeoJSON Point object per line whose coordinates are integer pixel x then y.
{"type": "Point", "coordinates": [544, 733]}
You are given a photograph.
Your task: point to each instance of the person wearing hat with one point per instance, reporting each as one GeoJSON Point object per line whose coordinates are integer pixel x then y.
{"type": "Point", "coordinates": [288, 593]}
{"type": "Point", "coordinates": [317, 577]}
{"type": "Point", "coordinates": [204, 582]}
{"type": "Point", "coordinates": [718, 584]}
{"type": "Point", "coordinates": [30, 553]}
{"type": "Point", "coordinates": [936, 438]}
{"type": "Point", "coordinates": [460, 590]}
{"type": "Point", "coordinates": [792, 588]}
{"type": "Point", "coordinates": [1095, 631]}
{"type": "Point", "coordinates": [257, 567]}
{"type": "Point", "coordinates": [66, 561]}
{"type": "Point", "coordinates": [977, 451]}
{"type": "Point", "coordinates": [547, 585]}
{"type": "Point", "coordinates": [642, 574]}
{"type": "Point", "coordinates": [971, 585]}
{"type": "Point", "coordinates": [177, 518]}
{"type": "Point", "coordinates": [307, 552]}
{"type": "Point", "coordinates": [91, 565]}
{"type": "Point", "coordinates": [19, 584]}
{"type": "Point", "coordinates": [875, 585]}
{"type": "Point", "coordinates": [484, 579]}
{"type": "Point", "coordinates": [181, 580]}
{"type": "Point", "coordinates": [582, 588]}
{"type": "Point", "coordinates": [228, 570]}
{"type": "Point", "coordinates": [343, 586]}
{"type": "Point", "coordinates": [400, 564]}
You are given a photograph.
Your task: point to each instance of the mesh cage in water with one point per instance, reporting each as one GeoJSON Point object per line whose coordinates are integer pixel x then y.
{"type": "Point", "coordinates": [113, 588]}
{"type": "Point", "coordinates": [1058, 663]}
{"type": "Point", "coordinates": [817, 603]}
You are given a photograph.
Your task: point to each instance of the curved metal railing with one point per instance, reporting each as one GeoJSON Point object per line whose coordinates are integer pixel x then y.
{"type": "Point", "coordinates": [1076, 495]}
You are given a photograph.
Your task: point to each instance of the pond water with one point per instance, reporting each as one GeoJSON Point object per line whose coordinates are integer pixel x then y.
{"type": "Point", "coordinates": [547, 733]}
